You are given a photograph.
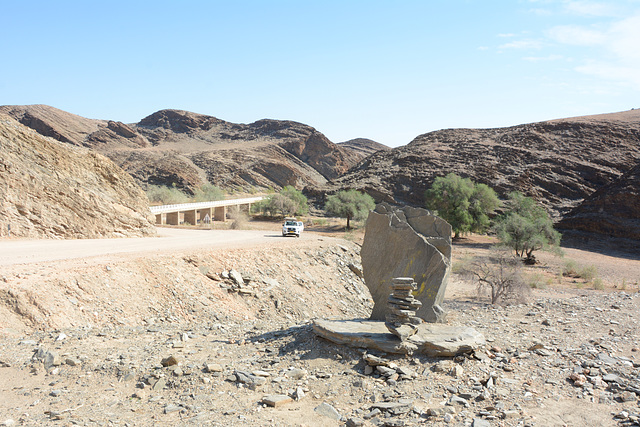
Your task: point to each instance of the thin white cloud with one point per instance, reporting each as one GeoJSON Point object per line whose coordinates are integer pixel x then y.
{"type": "Point", "coordinates": [543, 58]}
{"type": "Point", "coordinates": [576, 35]}
{"type": "Point", "coordinates": [616, 72]}
{"type": "Point", "coordinates": [624, 36]}
{"type": "Point", "coordinates": [590, 8]}
{"type": "Point", "coordinates": [540, 12]}
{"type": "Point", "coordinates": [522, 44]}
{"type": "Point", "coordinates": [614, 53]}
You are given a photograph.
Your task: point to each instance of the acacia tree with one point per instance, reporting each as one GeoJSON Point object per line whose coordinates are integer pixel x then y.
{"type": "Point", "coordinates": [463, 203]}
{"type": "Point", "coordinates": [288, 202]}
{"type": "Point", "coordinates": [350, 204]}
{"type": "Point", "coordinates": [299, 200]}
{"type": "Point", "coordinates": [526, 227]}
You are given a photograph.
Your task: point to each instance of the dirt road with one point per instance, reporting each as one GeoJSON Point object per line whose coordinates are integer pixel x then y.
{"type": "Point", "coordinates": [21, 251]}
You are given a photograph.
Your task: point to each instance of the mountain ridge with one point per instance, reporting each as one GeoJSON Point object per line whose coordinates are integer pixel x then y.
{"type": "Point", "coordinates": [560, 162]}
{"type": "Point", "coordinates": [247, 156]}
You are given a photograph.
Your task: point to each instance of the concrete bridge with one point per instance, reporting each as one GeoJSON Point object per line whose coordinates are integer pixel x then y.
{"type": "Point", "coordinates": [202, 212]}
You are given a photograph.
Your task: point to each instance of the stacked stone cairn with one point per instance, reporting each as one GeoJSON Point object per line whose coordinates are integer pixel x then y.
{"type": "Point", "coordinates": [402, 320]}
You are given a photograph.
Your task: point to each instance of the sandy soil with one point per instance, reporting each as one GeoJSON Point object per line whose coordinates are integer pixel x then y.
{"type": "Point", "coordinates": [112, 310]}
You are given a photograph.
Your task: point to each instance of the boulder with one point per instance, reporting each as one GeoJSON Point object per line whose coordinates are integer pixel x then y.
{"type": "Point", "coordinates": [407, 242]}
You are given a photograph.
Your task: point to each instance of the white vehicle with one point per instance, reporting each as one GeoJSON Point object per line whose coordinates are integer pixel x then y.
{"type": "Point", "coordinates": [292, 227]}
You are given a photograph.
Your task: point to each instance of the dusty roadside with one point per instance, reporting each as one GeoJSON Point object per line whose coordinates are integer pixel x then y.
{"type": "Point", "coordinates": [83, 342]}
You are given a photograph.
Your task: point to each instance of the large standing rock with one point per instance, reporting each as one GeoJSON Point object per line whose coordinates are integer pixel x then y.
{"type": "Point", "coordinates": [407, 242]}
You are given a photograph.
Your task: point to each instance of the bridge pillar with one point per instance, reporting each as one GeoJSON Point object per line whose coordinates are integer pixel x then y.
{"type": "Point", "coordinates": [190, 217]}
{"type": "Point", "coordinates": [203, 215]}
{"type": "Point", "coordinates": [161, 219]}
{"type": "Point", "coordinates": [173, 218]}
{"type": "Point", "coordinates": [220, 213]}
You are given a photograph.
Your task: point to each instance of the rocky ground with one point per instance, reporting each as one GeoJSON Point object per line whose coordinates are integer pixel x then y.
{"type": "Point", "coordinates": [182, 339]}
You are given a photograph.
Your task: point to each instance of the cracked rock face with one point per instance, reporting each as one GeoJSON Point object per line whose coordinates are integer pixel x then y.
{"type": "Point", "coordinates": [407, 242]}
{"type": "Point", "coordinates": [49, 189]}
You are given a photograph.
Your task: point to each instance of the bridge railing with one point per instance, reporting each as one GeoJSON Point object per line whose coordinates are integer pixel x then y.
{"type": "Point", "coordinates": [203, 205]}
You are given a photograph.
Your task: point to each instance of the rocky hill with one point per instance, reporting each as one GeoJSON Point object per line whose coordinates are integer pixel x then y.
{"type": "Point", "coordinates": [50, 189]}
{"type": "Point", "coordinates": [188, 149]}
{"type": "Point", "coordinates": [559, 162]}
{"type": "Point", "coordinates": [613, 210]}
{"type": "Point", "coordinates": [363, 146]}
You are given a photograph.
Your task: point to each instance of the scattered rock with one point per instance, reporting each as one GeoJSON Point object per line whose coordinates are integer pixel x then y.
{"type": "Point", "coordinates": [170, 361]}
{"type": "Point", "coordinates": [355, 422]}
{"type": "Point", "coordinates": [212, 368]}
{"type": "Point", "coordinates": [328, 411]}
{"type": "Point", "coordinates": [276, 400]}
{"type": "Point", "coordinates": [236, 277]}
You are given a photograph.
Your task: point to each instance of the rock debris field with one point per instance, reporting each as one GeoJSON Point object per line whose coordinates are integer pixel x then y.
{"type": "Point", "coordinates": [225, 339]}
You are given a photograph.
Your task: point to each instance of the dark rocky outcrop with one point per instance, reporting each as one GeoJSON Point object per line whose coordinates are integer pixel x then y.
{"type": "Point", "coordinates": [363, 146]}
{"type": "Point", "coordinates": [51, 189]}
{"type": "Point", "coordinates": [559, 162]}
{"type": "Point", "coordinates": [612, 211]}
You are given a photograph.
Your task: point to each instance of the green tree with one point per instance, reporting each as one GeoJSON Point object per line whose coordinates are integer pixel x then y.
{"type": "Point", "coordinates": [526, 227]}
{"type": "Point", "coordinates": [462, 203]}
{"type": "Point", "coordinates": [350, 204]}
{"type": "Point", "coordinates": [287, 202]}
{"type": "Point", "coordinates": [299, 200]}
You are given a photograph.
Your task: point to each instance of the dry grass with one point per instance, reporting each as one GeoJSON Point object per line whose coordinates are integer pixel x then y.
{"type": "Point", "coordinates": [594, 271]}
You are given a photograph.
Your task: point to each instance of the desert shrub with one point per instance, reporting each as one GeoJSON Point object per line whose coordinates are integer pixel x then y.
{"type": "Point", "coordinates": [160, 194]}
{"type": "Point", "coordinates": [597, 283]}
{"type": "Point", "coordinates": [588, 273]}
{"type": "Point", "coordinates": [299, 199]}
{"type": "Point", "coordinates": [207, 193]}
{"type": "Point", "coordinates": [575, 270]}
{"type": "Point", "coordinates": [501, 273]}
{"type": "Point", "coordinates": [462, 265]}
{"type": "Point", "coordinates": [287, 202]}
{"type": "Point", "coordinates": [536, 281]}
{"type": "Point", "coordinates": [239, 218]}
{"type": "Point", "coordinates": [319, 222]}
{"type": "Point", "coordinates": [570, 269]}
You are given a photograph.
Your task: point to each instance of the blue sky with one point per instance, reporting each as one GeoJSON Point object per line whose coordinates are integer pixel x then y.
{"type": "Point", "coordinates": [384, 70]}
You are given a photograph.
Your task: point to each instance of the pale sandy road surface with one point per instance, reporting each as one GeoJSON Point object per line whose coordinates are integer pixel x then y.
{"type": "Point", "coordinates": [23, 251]}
